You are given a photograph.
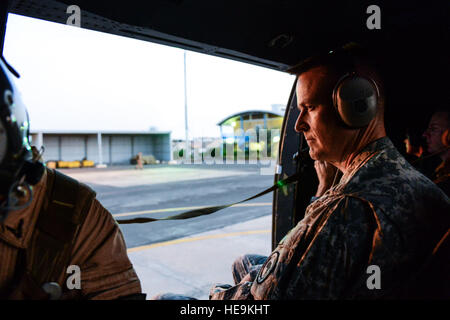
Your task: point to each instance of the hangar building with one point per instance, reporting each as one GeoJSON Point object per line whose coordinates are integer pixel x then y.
{"type": "Point", "coordinates": [105, 147]}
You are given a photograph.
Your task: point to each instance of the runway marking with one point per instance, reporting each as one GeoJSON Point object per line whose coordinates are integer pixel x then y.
{"type": "Point", "coordinates": [183, 240]}
{"type": "Point", "coordinates": [125, 214]}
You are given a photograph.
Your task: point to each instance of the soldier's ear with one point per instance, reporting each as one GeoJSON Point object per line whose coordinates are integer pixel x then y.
{"type": "Point", "coordinates": [445, 138]}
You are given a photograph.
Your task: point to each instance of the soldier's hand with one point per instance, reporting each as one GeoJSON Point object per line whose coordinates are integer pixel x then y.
{"type": "Point", "coordinates": [326, 173]}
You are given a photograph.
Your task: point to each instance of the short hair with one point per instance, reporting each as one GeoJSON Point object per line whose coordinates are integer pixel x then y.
{"type": "Point", "coordinates": [345, 59]}
{"type": "Point", "coordinates": [443, 109]}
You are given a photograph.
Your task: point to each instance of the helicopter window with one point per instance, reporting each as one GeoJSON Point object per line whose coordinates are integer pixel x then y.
{"type": "Point", "coordinates": [113, 112]}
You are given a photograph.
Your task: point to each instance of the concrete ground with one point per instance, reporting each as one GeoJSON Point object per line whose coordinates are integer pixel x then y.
{"type": "Point", "coordinates": [185, 257]}
{"type": "Point", "coordinates": [191, 265]}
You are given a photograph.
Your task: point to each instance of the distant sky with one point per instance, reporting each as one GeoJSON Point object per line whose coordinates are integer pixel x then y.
{"type": "Point", "coordinates": [77, 79]}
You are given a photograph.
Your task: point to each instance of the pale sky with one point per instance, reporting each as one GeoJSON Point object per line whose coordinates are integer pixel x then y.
{"type": "Point", "coordinates": [76, 79]}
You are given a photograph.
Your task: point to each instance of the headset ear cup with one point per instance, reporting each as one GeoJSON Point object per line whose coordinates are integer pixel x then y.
{"type": "Point", "coordinates": [356, 100]}
{"type": "Point", "coordinates": [445, 138]}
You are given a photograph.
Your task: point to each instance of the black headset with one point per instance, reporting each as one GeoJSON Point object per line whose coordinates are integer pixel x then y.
{"type": "Point", "coordinates": [355, 98]}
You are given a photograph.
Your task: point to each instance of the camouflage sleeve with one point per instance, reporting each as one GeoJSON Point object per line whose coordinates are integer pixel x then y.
{"type": "Point", "coordinates": [241, 291]}
{"type": "Point", "coordinates": [325, 262]}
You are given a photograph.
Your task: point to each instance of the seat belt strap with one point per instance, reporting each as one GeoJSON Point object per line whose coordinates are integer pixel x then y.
{"type": "Point", "coordinates": [208, 210]}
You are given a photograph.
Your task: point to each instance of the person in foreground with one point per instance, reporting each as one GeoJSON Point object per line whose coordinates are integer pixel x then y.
{"type": "Point", "coordinates": [380, 230]}
{"type": "Point", "coordinates": [57, 242]}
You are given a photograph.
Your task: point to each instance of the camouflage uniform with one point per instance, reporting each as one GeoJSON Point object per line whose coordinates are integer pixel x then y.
{"type": "Point", "coordinates": [383, 212]}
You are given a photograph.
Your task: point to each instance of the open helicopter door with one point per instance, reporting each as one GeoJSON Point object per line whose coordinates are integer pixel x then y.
{"type": "Point", "coordinates": [290, 202]}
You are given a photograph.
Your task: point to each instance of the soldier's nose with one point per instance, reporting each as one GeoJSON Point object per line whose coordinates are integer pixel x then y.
{"type": "Point", "coordinates": [301, 126]}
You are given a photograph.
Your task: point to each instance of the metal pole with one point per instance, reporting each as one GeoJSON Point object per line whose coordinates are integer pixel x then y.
{"type": "Point", "coordinates": [40, 140]}
{"type": "Point", "coordinates": [185, 109]}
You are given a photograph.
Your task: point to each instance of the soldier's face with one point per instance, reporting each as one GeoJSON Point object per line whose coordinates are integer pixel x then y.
{"type": "Point", "coordinates": [438, 124]}
{"type": "Point", "coordinates": [318, 120]}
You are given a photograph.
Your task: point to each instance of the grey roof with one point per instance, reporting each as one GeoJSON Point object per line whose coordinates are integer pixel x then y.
{"type": "Point", "coordinates": [243, 113]}
{"type": "Point", "coordinates": [124, 132]}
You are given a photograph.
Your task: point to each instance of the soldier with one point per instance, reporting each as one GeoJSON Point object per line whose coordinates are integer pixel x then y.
{"type": "Point", "coordinates": [382, 230]}
{"type": "Point", "coordinates": [437, 139]}
{"type": "Point", "coordinates": [56, 240]}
